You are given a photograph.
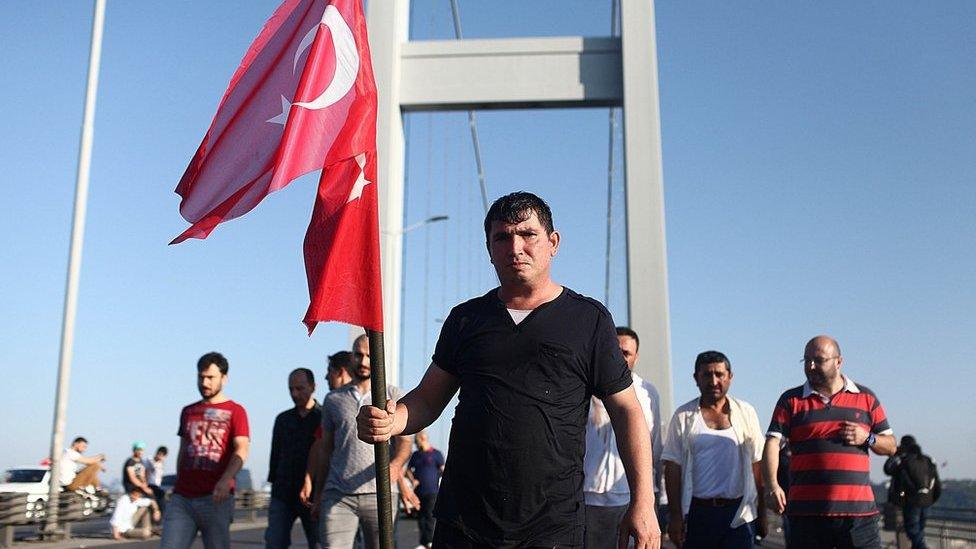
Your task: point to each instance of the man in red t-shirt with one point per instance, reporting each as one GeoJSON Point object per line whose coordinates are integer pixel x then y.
{"type": "Point", "coordinates": [214, 441]}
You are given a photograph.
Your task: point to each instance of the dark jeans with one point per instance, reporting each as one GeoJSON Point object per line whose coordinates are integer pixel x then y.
{"type": "Point", "coordinates": [425, 518]}
{"type": "Point", "coordinates": [602, 524]}
{"type": "Point", "coordinates": [711, 527]}
{"type": "Point", "coordinates": [839, 532]}
{"type": "Point", "coordinates": [447, 536]}
{"type": "Point", "coordinates": [915, 518]}
{"type": "Point", "coordinates": [663, 514]}
{"type": "Point", "coordinates": [281, 517]}
{"type": "Point", "coordinates": [160, 496]}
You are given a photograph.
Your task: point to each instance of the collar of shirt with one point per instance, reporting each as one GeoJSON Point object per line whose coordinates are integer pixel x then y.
{"type": "Point", "coordinates": [295, 412]}
{"type": "Point", "coordinates": [360, 397]}
{"type": "Point", "coordinates": [745, 424]}
{"type": "Point", "coordinates": [849, 386]}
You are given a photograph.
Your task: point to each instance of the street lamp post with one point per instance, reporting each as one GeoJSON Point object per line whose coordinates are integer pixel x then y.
{"type": "Point", "coordinates": [419, 224]}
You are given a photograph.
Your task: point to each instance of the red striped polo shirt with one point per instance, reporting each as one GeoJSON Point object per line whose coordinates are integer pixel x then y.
{"type": "Point", "coordinates": [828, 477]}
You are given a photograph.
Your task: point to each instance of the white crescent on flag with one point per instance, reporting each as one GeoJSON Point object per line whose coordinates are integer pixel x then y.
{"type": "Point", "coordinates": [347, 59]}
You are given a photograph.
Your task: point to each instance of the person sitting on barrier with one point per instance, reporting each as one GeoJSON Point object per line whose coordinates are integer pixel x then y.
{"type": "Point", "coordinates": [134, 470]}
{"type": "Point", "coordinates": [80, 472]}
{"type": "Point", "coordinates": [132, 513]}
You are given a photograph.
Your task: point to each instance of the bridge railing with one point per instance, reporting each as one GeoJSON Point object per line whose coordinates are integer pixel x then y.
{"type": "Point", "coordinates": [947, 526]}
{"type": "Point", "coordinates": [17, 510]}
{"type": "Point", "coordinates": [252, 501]}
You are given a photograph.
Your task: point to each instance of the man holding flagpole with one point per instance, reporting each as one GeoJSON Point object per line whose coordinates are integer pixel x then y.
{"type": "Point", "coordinates": [526, 357]}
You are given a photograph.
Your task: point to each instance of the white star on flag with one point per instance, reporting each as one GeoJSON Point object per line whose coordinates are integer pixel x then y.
{"type": "Point", "coordinates": [283, 117]}
{"type": "Point", "coordinates": [361, 181]}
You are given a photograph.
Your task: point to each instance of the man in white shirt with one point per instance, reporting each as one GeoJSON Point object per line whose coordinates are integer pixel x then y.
{"type": "Point", "coordinates": [711, 457]}
{"type": "Point", "coordinates": [605, 488]}
{"type": "Point", "coordinates": [78, 472]}
{"type": "Point", "coordinates": [130, 511]}
{"type": "Point", "coordinates": [154, 467]}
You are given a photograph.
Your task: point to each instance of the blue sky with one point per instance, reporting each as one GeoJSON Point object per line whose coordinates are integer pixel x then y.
{"type": "Point", "coordinates": [819, 166]}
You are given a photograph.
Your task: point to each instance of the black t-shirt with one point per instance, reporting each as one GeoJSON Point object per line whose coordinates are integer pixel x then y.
{"type": "Point", "coordinates": [514, 473]}
{"type": "Point", "coordinates": [139, 469]}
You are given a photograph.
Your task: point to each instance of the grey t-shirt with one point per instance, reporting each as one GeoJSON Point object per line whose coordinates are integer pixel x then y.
{"type": "Point", "coordinates": [351, 470]}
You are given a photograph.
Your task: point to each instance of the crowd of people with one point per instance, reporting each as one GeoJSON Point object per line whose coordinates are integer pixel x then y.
{"type": "Point", "coordinates": [138, 512]}
{"type": "Point", "coordinates": [555, 440]}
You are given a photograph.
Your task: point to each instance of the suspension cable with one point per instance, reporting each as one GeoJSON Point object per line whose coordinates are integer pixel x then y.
{"type": "Point", "coordinates": [611, 165]}
{"type": "Point", "coordinates": [472, 121]}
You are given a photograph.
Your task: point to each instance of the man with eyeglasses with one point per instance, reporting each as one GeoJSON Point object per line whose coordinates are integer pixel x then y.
{"type": "Point", "coordinates": [830, 423]}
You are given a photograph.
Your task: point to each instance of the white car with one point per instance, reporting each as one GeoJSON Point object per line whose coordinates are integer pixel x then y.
{"type": "Point", "coordinates": [34, 481]}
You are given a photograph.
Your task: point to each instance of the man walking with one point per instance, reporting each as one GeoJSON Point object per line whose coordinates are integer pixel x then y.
{"type": "Point", "coordinates": [915, 486]}
{"type": "Point", "coordinates": [292, 436]}
{"type": "Point", "coordinates": [425, 468]}
{"type": "Point", "coordinates": [345, 475]}
{"type": "Point", "coordinates": [526, 357]}
{"type": "Point", "coordinates": [711, 463]}
{"type": "Point", "coordinates": [338, 371]}
{"type": "Point", "coordinates": [337, 374]}
{"type": "Point", "coordinates": [605, 489]}
{"type": "Point", "coordinates": [830, 423]}
{"type": "Point", "coordinates": [214, 441]}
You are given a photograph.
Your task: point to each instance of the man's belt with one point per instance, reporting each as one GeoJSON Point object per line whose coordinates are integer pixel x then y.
{"type": "Point", "coordinates": [716, 502]}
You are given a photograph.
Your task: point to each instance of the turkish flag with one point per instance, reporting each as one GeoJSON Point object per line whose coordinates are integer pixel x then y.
{"type": "Point", "coordinates": [302, 99]}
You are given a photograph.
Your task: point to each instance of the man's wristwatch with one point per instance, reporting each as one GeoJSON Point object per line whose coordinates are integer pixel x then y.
{"type": "Point", "coordinates": [872, 438]}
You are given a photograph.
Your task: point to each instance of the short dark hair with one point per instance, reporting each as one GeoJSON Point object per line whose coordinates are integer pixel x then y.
{"type": "Point", "coordinates": [309, 374]}
{"type": "Point", "coordinates": [214, 358]}
{"type": "Point", "coordinates": [710, 357]}
{"type": "Point", "coordinates": [162, 450]}
{"type": "Point", "coordinates": [909, 445]}
{"type": "Point", "coordinates": [517, 207]}
{"type": "Point", "coordinates": [342, 359]}
{"type": "Point", "coordinates": [79, 439]}
{"type": "Point", "coordinates": [627, 332]}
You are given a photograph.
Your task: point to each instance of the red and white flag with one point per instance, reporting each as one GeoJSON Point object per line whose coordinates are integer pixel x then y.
{"type": "Point", "coordinates": [302, 99]}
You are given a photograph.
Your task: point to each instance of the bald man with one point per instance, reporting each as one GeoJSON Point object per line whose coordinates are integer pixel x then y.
{"type": "Point", "coordinates": [830, 423]}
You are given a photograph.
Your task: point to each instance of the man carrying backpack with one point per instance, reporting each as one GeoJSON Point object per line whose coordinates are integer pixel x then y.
{"type": "Point", "coordinates": [915, 486]}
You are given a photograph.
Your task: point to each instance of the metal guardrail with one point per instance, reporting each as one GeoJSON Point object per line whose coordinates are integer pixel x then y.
{"type": "Point", "coordinates": [16, 510]}
{"type": "Point", "coordinates": [252, 502]}
{"type": "Point", "coordinates": [946, 527]}
{"type": "Point", "coordinates": [951, 525]}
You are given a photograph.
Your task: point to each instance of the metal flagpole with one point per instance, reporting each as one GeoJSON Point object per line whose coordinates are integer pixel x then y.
{"type": "Point", "coordinates": [74, 269]}
{"type": "Point", "coordinates": [384, 500]}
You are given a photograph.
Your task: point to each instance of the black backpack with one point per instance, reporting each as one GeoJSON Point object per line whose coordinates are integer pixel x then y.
{"type": "Point", "coordinates": [916, 482]}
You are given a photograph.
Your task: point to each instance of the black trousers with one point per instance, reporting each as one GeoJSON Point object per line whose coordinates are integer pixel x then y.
{"type": "Point", "coordinates": [447, 536]}
{"type": "Point", "coordinates": [834, 532]}
{"type": "Point", "coordinates": [425, 518]}
{"type": "Point", "coordinates": [602, 524]}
